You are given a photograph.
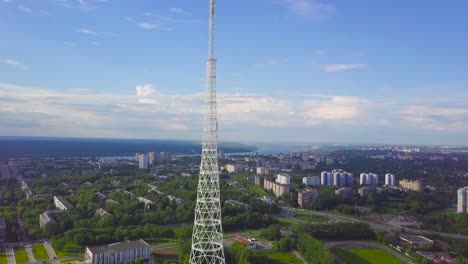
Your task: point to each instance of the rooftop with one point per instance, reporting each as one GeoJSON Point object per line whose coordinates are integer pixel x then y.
{"type": "Point", "coordinates": [120, 246]}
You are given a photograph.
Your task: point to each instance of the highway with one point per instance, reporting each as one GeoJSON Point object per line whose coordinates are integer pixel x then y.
{"type": "Point", "coordinates": [379, 226]}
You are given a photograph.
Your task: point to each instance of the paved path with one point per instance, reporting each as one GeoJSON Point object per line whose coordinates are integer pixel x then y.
{"type": "Point", "coordinates": [10, 255]}
{"type": "Point", "coordinates": [51, 253]}
{"type": "Point", "coordinates": [31, 257]}
{"type": "Point", "coordinates": [365, 244]}
{"type": "Point", "coordinates": [299, 256]}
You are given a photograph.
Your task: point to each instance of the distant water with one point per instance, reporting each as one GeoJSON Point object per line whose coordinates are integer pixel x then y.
{"type": "Point", "coordinates": [38, 147]}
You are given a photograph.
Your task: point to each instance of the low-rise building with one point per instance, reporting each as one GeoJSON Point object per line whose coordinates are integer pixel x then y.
{"type": "Point", "coordinates": [364, 191]}
{"type": "Point", "coordinates": [311, 181]}
{"type": "Point", "coordinates": [345, 193]}
{"type": "Point", "coordinates": [411, 185]}
{"type": "Point", "coordinates": [118, 253]}
{"type": "Point", "coordinates": [306, 198]}
{"type": "Point", "coordinates": [277, 188]}
{"type": "Point", "coordinates": [231, 168]}
{"type": "Point", "coordinates": [61, 203]}
{"type": "Point", "coordinates": [101, 212]}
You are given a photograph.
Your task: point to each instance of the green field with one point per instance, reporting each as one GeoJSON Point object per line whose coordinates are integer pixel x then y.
{"type": "Point", "coordinates": [311, 218]}
{"type": "Point", "coordinates": [366, 256]}
{"type": "Point", "coordinates": [40, 252]}
{"type": "Point", "coordinates": [3, 258]}
{"type": "Point", "coordinates": [21, 256]}
{"type": "Point", "coordinates": [274, 257]}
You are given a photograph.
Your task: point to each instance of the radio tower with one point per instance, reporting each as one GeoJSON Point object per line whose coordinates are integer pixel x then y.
{"type": "Point", "coordinates": [207, 237]}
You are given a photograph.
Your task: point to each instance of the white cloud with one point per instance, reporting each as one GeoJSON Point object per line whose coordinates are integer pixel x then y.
{"type": "Point", "coordinates": [25, 9]}
{"type": "Point", "coordinates": [319, 52]}
{"type": "Point", "coordinates": [146, 25]}
{"type": "Point", "coordinates": [335, 108]}
{"type": "Point", "coordinates": [15, 64]}
{"type": "Point", "coordinates": [342, 67]}
{"type": "Point", "coordinates": [311, 9]}
{"type": "Point", "coordinates": [87, 31]}
{"type": "Point", "coordinates": [178, 10]}
{"type": "Point", "coordinates": [446, 118]}
{"type": "Point", "coordinates": [269, 63]}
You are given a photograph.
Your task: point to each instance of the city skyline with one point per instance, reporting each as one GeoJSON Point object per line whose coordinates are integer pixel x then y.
{"type": "Point", "coordinates": [291, 71]}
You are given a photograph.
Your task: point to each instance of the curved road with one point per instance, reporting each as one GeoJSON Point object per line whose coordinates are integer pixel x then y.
{"type": "Point", "coordinates": [384, 227]}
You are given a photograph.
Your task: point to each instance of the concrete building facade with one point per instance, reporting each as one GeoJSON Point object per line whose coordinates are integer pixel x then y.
{"type": "Point", "coordinates": [311, 181]}
{"type": "Point", "coordinates": [118, 253]}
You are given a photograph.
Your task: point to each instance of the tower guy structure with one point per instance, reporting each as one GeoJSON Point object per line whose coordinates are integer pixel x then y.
{"type": "Point", "coordinates": [207, 237]}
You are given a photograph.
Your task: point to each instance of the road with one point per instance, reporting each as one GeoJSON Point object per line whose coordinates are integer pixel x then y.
{"type": "Point", "coordinates": [10, 255]}
{"type": "Point", "coordinates": [377, 226]}
{"type": "Point", "coordinates": [31, 257]}
{"type": "Point", "coordinates": [365, 244]}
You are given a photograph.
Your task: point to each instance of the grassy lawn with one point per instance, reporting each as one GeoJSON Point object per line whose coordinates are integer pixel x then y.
{"type": "Point", "coordinates": [71, 260]}
{"type": "Point", "coordinates": [366, 256]}
{"type": "Point", "coordinates": [3, 257]}
{"type": "Point", "coordinates": [285, 222]}
{"type": "Point", "coordinates": [21, 256]}
{"type": "Point", "coordinates": [274, 257]}
{"type": "Point", "coordinates": [40, 252]}
{"type": "Point", "coordinates": [257, 190]}
{"type": "Point", "coordinates": [311, 218]}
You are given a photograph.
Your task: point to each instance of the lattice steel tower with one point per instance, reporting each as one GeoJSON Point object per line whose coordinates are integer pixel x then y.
{"type": "Point", "coordinates": [207, 237]}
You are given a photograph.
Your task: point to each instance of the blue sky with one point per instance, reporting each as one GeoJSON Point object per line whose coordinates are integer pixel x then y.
{"type": "Point", "coordinates": [288, 70]}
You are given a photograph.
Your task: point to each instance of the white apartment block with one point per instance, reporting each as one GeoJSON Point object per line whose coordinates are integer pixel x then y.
{"type": "Point", "coordinates": [283, 179]}
{"type": "Point", "coordinates": [142, 161]}
{"type": "Point", "coordinates": [231, 168]}
{"type": "Point", "coordinates": [462, 200]}
{"type": "Point", "coordinates": [389, 179]}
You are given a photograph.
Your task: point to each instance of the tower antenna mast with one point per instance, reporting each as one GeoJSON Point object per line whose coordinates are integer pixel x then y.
{"type": "Point", "coordinates": [207, 237]}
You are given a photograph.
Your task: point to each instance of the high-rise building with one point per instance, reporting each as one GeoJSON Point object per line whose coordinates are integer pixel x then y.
{"type": "Point", "coordinates": [325, 178]}
{"type": "Point", "coordinates": [337, 178]}
{"type": "Point", "coordinates": [306, 198]}
{"type": "Point", "coordinates": [283, 179]}
{"type": "Point", "coordinates": [311, 181]}
{"type": "Point", "coordinates": [151, 157]}
{"type": "Point", "coordinates": [260, 170]}
{"type": "Point", "coordinates": [370, 179]}
{"type": "Point", "coordinates": [142, 161]}
{"type": "Point", "coordinates": [389, 179]}
{"type": "Point", "coordinates": [462, 200]}
{"type": "Point", "coordinates": [207, 236]}
{"type": "Point", "coordinates": [137, 155]}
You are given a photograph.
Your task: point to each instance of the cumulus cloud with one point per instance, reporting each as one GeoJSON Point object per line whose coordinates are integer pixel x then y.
{"type": "Point", "coordinates": [342, 67]}
{"type": "Point", "coordinates": [335, 108]}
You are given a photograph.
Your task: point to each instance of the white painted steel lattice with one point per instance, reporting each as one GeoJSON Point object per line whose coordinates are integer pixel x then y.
{"type": "Point", "coordinates": [207, 237]}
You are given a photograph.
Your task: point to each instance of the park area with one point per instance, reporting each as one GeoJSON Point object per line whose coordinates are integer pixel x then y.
{"type": "Point", "coordinates": [365, 256]}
